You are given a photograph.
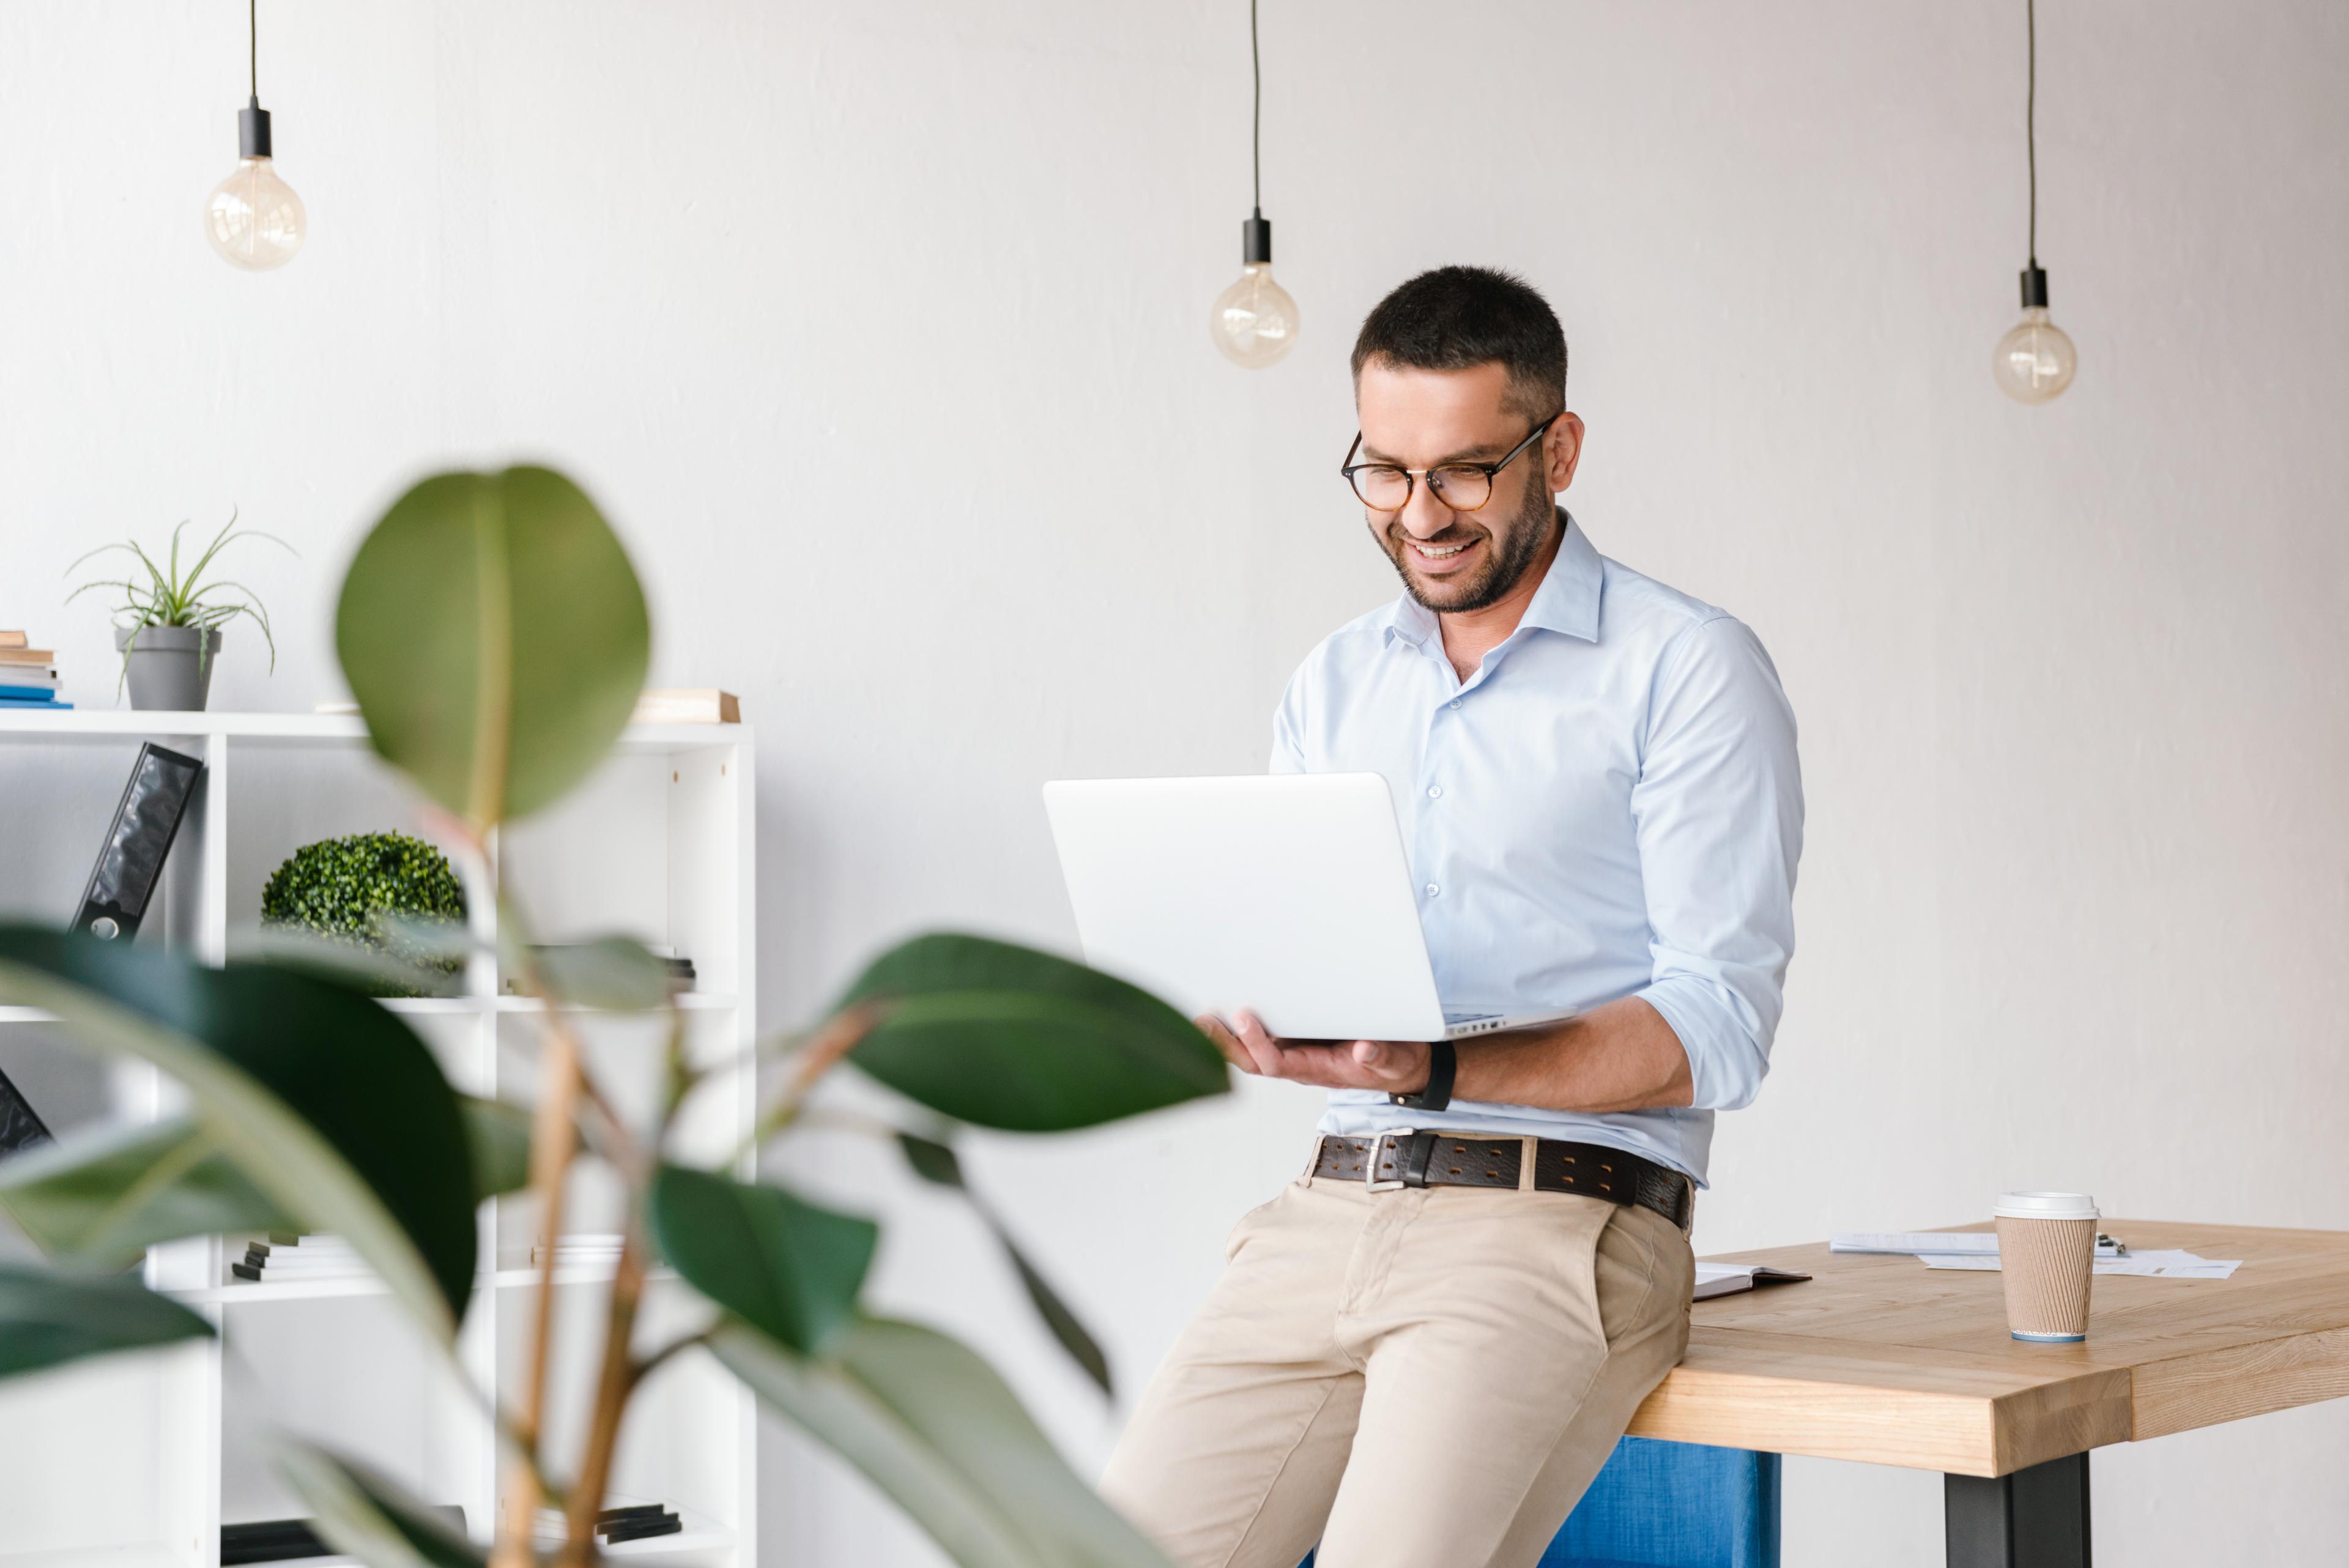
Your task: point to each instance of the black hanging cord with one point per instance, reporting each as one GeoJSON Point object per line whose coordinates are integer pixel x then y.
{"type": "Point", "coordinates": [252, 43]}
{"type": "Point", "coordinates": [1255, 234]}
{"type": "Point", "coordinates": [1255, 145]}
{"type": "Point", "coordinates": [2031, 116]}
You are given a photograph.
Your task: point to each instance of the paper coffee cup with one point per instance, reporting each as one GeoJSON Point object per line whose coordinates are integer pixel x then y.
{"type": "Point", "coordinates": [2046, 1243]}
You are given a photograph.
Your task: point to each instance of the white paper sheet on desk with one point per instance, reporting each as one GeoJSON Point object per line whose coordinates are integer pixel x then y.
{"type": "Point", "coordinates": [2170, 1264]}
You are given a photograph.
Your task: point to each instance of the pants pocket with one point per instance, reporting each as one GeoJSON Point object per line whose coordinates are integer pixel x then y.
{"type": "Point", "coordinates": [1641, 1268]}
{"type": "Point", "coordinates": [1248, 1222]}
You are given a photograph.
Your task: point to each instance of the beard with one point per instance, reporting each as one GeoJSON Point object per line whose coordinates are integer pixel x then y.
{"type": "Point", "coordinates": [1512, 549]}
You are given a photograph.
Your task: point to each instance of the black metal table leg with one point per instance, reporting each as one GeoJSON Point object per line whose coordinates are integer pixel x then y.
{"type": "Point", "coordinates": [2036, 1518]}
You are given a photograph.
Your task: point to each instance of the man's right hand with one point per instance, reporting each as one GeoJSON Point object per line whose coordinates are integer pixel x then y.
{"type": "Point", "coordinates": [1385, 1066]}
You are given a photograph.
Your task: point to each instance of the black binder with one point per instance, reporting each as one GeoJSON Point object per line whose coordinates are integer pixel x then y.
{"type": "Point", "coordinates": [20, 1126]}
{"type": "Point", "coordinates": [130, 862]}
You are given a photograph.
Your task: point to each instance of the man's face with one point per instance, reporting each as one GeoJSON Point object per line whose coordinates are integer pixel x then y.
{"type": "Point", "coordinates": [1456, 561]}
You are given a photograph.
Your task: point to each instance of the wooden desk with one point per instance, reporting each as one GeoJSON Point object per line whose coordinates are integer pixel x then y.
{"type": "Point", "coordinates": [1884, 1360]}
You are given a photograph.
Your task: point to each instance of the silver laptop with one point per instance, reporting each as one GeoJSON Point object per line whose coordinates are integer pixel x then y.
{"type": "Point", "coordinates": [1289, 895]}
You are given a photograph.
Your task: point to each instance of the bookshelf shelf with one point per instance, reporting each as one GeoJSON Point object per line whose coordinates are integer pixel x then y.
{"type": "Point", "coordinates": [133, 1462]}
{"type": "Point", "coordinates": [690, 1002]}
{"type": "Point", "coordinates": [433, 1006]}
{"type": "Point", "coordinates": [256, 1293]}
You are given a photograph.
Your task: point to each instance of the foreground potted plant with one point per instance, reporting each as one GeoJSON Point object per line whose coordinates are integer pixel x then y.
{"type": "Point", "coordinates": [496, 640]}
{"type": "Point", "coordinates": [167, 626]}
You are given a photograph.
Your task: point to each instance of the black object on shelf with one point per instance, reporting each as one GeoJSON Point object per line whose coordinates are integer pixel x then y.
{"type": "Point", "coordinates": [130, 862]}
{"type": "Point", "coordinates": [270, 1541]}
{"type": "Point", "coordinates": [286, 1540]}
{"type": "Point", "coordinates": [21, 1127]}
{"type": "Point", "coordinates": [661, 1522]}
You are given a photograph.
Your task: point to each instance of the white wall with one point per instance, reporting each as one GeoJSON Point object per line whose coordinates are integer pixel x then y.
{"type": "Point", "coordinates": [878, 328]}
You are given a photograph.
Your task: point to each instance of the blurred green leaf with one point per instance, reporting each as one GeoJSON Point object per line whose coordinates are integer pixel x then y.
{"type": "Point", "coordinates": [773, 1258]}
{"type": "Point", "coordinates": [933, 1161]}
{"type": "Point", "coordinates": [939, 1163]}
{"type": "Point", "coordinates": [499, 1135]}
{"type": "Point", "coordinates": [1005, 1036]}
{"type": "Point", "coordinates": [103, 1195]}
{"type": "Point", "coordinates": [425, 939]}
{"type": "Point", "coordinates": [495, 637]}
{"type": "Point", "coordinates": [46, 1319]}
{"type": "Point", "coordinates": [364, 1514]}
{"type": "Point", "coordinates": [348, 964]}
{"type": "Point", "coordinates": [932, 1425]}
{"type": "Point", "coordinates": [327, 1101]}
{"type": "Point", "coordinates": [614, 972]}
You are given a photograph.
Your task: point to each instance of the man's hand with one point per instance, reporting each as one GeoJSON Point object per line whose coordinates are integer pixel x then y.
{"type": "Point", "coordinates": [1388, 1066]}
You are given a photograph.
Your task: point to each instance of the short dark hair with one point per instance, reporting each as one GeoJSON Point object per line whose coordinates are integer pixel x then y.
{"type": "Point", "coordinates": [1455, 317]}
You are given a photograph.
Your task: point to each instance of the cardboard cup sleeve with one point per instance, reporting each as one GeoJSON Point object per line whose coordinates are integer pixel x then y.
{"type": "Point", "coordinates": [2046, 1267]}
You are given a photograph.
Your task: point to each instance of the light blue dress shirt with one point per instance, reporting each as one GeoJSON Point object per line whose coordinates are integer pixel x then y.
{"type": "Point", "coordinates": [1609, 806]}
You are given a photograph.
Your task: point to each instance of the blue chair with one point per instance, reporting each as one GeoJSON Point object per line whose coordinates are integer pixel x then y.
{"type": "Point", "coordinates": [1674, 1505]}
{"type": "Point", "coordinates": [1671, 1505]}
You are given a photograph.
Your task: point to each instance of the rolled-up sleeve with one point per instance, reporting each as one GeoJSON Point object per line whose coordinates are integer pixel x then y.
{"type": "Point", "coordinates": [1289, 729]}
{"type": "Point", "coordinates": [1718, 810]}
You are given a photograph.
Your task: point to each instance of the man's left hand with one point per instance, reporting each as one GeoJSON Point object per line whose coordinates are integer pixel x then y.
{"type": "Point", "coordinates": [1387, 1066]}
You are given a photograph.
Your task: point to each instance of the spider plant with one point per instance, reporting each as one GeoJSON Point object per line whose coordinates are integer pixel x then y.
{"type": "Point", "coordinates": [170, 596]}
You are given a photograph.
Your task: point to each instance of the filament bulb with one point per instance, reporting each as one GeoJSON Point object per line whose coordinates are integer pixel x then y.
{"type": "Point", "coordinates": [253, 219]}
{"type": "Point", "coordinates": [2036, 360]}
{"type": "Point", "coordinates": [1254, 320]}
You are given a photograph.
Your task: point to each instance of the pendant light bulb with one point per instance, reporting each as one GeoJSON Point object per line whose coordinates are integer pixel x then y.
{"type": "Point", "coordinates": [1254, 321]}
{"type": "Point", "coordinates": [2035, 362]}
{"type": "Point", "coordinates": [253, 218]}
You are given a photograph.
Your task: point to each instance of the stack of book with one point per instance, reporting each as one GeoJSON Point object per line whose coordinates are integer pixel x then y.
{"type": "Point", "coordinates": [28, 676]}
{"type": "Point", "coordinates": [622, 1522]}
{"type": "Point", "coordinates": [286, 1540]}
{"type": "Point", "coordinates": [283, 1259]}
{"type": "Point", "coordinates": [680, 968]}
{"type": "Point", "coordinates": [695, 705]}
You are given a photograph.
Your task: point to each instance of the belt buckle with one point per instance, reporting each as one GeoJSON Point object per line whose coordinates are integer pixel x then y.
{"type": "Point", "coordinates": [1371, 1181]}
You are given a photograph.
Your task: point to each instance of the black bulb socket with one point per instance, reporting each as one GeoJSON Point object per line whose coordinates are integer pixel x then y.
{"type": "Point", "coordinates": [253, 130]}
{"type": "Point", "coordinates": [2034, 287]}
{"type": "Point", "coordinates": [1256, 240]}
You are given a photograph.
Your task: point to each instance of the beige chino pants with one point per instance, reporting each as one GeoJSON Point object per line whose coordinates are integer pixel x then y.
{"type": "Point", "coordinates": [1414, 1378]}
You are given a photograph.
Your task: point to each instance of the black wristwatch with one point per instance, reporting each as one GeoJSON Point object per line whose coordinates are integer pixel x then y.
{"type": "Point", "coordinates": [1443, 1066]}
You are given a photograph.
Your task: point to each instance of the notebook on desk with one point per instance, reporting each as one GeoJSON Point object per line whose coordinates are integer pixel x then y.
{"type": "Point", "coordinates": [1728, 1279]}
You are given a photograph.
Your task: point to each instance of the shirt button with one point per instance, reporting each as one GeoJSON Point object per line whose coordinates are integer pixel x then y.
{"type": "Point", "coordinates": [1435, 792]}
{"type": "Point", "coordinates": [1455, 702]}
{"type": "Point", "coordinates": [1433, 890]}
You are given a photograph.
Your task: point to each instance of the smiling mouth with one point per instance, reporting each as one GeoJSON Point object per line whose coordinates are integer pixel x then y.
{"type": "Point", "coordinates": [1437, 552]}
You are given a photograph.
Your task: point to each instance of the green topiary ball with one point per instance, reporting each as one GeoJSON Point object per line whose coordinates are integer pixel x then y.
{"type": "Point", "coordinates": [335, 887]}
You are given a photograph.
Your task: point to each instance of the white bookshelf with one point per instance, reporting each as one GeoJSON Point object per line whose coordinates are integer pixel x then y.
{"type": "Point", "coordinates": [135, 1461]}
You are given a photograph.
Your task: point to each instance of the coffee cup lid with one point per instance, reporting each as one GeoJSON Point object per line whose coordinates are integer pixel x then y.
{"type": "Point", "coordinates": [2045, 1206]}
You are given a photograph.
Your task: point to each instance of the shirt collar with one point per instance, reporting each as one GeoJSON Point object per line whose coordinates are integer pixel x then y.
{"type": "Point", "coordinates": [1566, 601]}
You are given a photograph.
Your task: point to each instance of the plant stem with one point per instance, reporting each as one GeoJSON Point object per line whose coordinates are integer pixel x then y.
{"type": "Point", "coordinates": [841, 1034]}
{"type": "Point", "coordinates": [621, 1373]}
{"type": "Point", "coordinates": [554, 1140]}
{"type": "Point", "coordinates": [613, 1387]}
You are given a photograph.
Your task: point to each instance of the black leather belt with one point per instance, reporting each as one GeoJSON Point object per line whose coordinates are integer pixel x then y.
{"type": "Point", "coordinates": [1406, 1158]}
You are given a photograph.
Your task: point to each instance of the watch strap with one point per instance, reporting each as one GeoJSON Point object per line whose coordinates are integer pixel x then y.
{"type": "Point", "coordinates": [1443, 1067]}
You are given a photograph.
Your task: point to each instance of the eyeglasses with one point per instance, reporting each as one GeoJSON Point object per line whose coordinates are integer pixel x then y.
{"type": "Point", "coordinates": [1462, 486]}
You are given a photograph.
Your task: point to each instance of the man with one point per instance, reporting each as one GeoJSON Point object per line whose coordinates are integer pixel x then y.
{"type": "Point", "coordinates": [1597, 784]}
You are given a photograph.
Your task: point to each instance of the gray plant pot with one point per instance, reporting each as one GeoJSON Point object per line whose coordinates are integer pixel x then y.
{"type": "Point", "coordinates": [171, 666]}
